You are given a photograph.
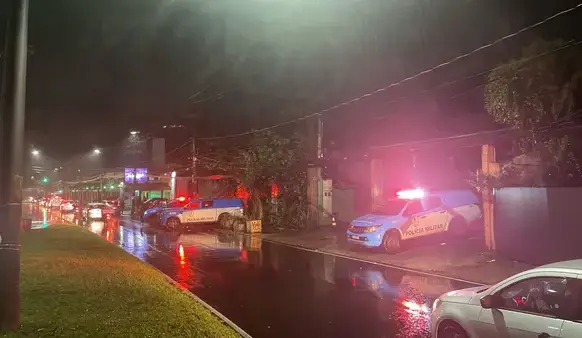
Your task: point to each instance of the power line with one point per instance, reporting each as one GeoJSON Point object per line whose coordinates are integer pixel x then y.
{"type": "Point", "coordinates": [448, 83]}
{"type": "Point", "coordinates": [408, 79]}
{"type": "Point", "coordinates": [561, 126]}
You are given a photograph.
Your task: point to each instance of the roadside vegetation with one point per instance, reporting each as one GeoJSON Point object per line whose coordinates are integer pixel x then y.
{"type": "Point", "coordinates": [74, 284]}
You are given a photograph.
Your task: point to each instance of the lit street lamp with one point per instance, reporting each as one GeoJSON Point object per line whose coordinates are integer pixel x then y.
{"type": "Point", "coordinates": [35, 152]}
{"type": "Point", "coordinates": [97, 151]}
{"type": "Point", "coordinates": [134, 132]}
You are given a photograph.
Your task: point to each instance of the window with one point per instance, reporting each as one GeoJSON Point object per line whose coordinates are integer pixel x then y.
{"type": "Point", "coordinates": [390, 208]}
{"type": "Point", "coordinates": [207, 204]}
{"type": "Point", "coordinates": [176, 204]}
{"type": "Point", "coordinates": [433, 202]}
{"type": "Point", "coordinates": [549, 296]}
{"type": "Point", "coordinates": [414, 207]}
{"type": "Point", "coordinates": [193, 205]}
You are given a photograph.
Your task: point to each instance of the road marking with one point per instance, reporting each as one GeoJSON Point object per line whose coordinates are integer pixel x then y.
{"type": "Point", "coordinates": [387, 265]}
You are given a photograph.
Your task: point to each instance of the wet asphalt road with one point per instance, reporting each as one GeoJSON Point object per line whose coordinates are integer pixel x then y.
{"type": "Point", "coordinates": [271, 290]}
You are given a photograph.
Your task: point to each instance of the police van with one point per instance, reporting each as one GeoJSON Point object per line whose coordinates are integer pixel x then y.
{"type": "Point", "coordinates": [415, 213]}
{"type": "Point", "coordinates": [176, 215]}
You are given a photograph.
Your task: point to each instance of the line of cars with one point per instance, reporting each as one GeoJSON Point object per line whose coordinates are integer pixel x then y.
{"type": "Point", "coordinates": [98, 210]}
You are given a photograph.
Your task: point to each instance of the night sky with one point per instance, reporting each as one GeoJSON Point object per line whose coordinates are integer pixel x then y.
{"type": "Point", "coordinates": [102, 68]}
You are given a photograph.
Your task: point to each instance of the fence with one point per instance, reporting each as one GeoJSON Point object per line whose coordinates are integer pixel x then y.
{"type": "Point", "coordinates": [539, 225]}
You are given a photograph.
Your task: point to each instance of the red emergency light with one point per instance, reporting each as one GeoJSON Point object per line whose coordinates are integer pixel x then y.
{"type": "Point", "coordinates": [181, 198]}
{"type": "Point", "coordinates": [410, 194]}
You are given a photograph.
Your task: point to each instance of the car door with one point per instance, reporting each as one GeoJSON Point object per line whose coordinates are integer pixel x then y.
{"type": "Point", "coordinates": [529, 309]}
{"type": "Point", "coordinates": [436, 216]}
{"type": "Point", "coordinates": [572, 327]}
{"type": "Point", "coordinates": [415, 220]}
{"type": "Point", "coordinates": [191, 212]}
{"type": "Point", "coordinates": [208, 211]}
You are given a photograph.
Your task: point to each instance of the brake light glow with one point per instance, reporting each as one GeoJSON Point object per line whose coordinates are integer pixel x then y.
{"type": "Point", "coordinates": [410, 194]}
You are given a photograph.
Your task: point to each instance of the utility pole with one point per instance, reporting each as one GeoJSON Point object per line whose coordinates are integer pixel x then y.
{"type": "Point", "coordinates": [314, 177]}
{"type": "Point", "coordinates": [12, 104]}
{"type": "Point", "coordinates": [194, 176]}
{"type": "Point", "coordinates": [489, 167]}
{"type": "Point", "coordinates": [100, 195]}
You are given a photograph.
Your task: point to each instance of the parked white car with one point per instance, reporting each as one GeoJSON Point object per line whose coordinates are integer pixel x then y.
{"type": "Point", "coordinates": [543, 302]}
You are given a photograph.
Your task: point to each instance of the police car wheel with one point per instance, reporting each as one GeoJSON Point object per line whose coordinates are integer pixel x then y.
{"type": "Point", "coordinates": [222, 219]}
{"type": "Point", "coordinates": [391, 242]}
{"type": "Point", "coordinates": [173, 223]}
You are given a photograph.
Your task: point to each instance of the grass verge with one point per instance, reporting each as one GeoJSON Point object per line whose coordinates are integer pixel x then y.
{"type": "Point", "coordinates": [74, 284]}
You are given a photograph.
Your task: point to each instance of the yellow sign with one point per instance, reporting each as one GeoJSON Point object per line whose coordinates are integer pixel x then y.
{"type": "Point", "coordinates": [255, 226]}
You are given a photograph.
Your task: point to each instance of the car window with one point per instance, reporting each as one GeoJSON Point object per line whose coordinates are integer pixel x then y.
{"type": "Point", "coordinates": [207, 204]}
{"type": "Point", "coordinates": [193, 205]}
{"type": "Point", "coordinates": [414, 207]}
{"type": "Point", "coordinates": [176, 204]}
{"type": "Point", "coordinates": [390, 208]}
{"type": "Point", "coordinates": [433, 202]}
{"type": "Point", "coordinates": [549, 296]}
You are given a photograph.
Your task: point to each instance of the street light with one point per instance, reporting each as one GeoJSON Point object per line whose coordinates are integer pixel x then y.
{"type": "Point", "coordinates": [35, 152]}
{"type": "Point", "coordinates": [97, 151]}
{"type": "Point", "coordinates": [134, 132]}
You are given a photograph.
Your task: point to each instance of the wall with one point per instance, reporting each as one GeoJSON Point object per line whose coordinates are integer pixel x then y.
{"type": "Point", "coordinates": [538, 225]}
{"type": "Point", "coordinates": [343, 205]}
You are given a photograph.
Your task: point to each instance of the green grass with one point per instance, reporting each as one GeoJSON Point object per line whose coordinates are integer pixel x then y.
{"type": "Point", "coordinates": [75, 284]}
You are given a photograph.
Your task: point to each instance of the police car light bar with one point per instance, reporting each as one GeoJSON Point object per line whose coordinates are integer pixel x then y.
{"type": "Point", "coordinates": [410, 194]}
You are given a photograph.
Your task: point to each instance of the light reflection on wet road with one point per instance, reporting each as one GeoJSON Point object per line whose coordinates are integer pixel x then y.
{"type": "Point", "coordinates": [271, 290]}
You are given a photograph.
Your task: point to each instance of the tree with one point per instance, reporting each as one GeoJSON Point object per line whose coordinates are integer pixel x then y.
{"type": "Point", "coordinates": [269, 159]}
{"type": "Point", "coordinates": [535, 95]}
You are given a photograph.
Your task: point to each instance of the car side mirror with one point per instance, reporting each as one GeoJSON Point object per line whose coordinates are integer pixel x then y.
{"type": "Point", "coordinates": [491, 302]}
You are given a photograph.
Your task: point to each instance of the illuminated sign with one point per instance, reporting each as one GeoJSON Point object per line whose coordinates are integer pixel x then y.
{"type": "Point", "coordinates": [136, 175]}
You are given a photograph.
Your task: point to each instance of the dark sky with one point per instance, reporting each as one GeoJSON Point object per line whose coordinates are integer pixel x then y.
{"type": "Point", "coordinates": [101, 68]}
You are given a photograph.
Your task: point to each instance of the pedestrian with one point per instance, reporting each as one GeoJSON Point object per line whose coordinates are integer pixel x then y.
{"type": "Point", "coordinates": [121, 205]}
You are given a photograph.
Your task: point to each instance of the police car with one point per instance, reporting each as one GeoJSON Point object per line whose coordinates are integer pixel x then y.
{"type": "Point", "coordinates": [415, 213]}
{"type": "Point", "coordinates": [199, 211]}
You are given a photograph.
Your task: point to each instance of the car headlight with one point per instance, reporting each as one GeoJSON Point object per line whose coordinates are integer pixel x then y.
{"type": "Point", "coordinates": [373, 228]}
{"type": "Point", "coordinates": [436, 304]}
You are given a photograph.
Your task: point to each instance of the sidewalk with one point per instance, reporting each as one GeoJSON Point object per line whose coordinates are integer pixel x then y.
{"type": "Point", "coordinates": [464, 259]}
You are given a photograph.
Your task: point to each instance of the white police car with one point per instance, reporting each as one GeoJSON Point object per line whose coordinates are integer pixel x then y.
{"type": "Point", "coordinates": [199, 211]}
{"type": "Point", "coordinates": [413, 214]}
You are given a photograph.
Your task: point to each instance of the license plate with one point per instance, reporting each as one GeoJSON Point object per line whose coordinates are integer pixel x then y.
{"type": "Point", "coordinates": [354, 237]}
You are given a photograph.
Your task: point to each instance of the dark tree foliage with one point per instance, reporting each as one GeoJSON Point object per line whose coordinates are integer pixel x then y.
{"type": "Point", "coordinates": [540, 97]}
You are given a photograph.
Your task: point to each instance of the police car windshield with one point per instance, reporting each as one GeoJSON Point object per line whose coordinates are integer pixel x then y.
{"type": "Point", "coordinates": [176, 204]}
{"type": "Point", "coordinates": [390, 208]}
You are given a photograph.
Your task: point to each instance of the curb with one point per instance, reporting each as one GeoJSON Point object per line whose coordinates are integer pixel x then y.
{"type": "Point", "coordinates": [207, 306]}
{"type": "Point", "coordinates": [387, 265]}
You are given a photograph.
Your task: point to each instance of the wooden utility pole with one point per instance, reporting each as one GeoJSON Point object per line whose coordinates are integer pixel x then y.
{"type": "Point", "coordinates": [314, 177]}
{"type": "Point", "coordinates": [12, 111]}
{"type": "Point", "coordinates": [489, 167]}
